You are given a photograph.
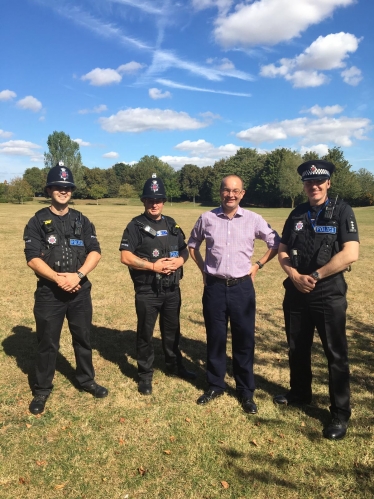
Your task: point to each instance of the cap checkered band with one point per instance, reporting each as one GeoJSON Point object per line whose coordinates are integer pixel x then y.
{"type": "Point", "coordinates": [313, 170]}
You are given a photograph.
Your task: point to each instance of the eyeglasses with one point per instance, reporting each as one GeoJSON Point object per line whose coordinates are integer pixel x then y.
{"type": "Point", "coordinates": [236, 192]}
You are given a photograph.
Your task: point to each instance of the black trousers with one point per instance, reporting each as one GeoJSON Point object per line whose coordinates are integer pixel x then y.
{"type": "Point", "coordinates": [149, 305]}
{"type": "Point", "coordinates": [237, 303]}
{"type": "Point", "coordinates": [52, 305]}
{"type": "Point", "coordinates": [325, 309]}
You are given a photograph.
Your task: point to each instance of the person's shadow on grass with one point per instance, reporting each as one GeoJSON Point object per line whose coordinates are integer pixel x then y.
{"type": "Point", "coordinates": [22, 345]}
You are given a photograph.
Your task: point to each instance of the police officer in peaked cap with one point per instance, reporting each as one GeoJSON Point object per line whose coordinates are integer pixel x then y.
{"type": "Point", "coordinates": [319, 242]}
{"type": "Point", "coordinates": [154, 250]}
{"type": "Point", "coordinates": [61, 248]}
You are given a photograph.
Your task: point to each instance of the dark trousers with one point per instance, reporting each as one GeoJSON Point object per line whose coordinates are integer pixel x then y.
{"type": "Point", "coordinates": [237, 303]}
{"type": "Point", "coordinates": [149, 305]}
{"type": "Point", "coordinates": [52, 305]}
{"type": "Point", "coordinates": [325, 309]}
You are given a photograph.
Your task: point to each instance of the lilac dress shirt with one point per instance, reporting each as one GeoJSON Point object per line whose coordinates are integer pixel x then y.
{"type": "Point", "coordinates": [230, 242]}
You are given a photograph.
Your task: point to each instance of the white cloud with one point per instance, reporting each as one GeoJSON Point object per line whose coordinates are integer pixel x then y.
{"type": "Point", "coordinates": [156, 93]}
{"type": "Point", "coordinates": [7, 95]}
{"type": "Point", "coordinates": [103, 29]}
{"type": "Point", "coordinates": [164, 60]}
{"type": "Point", "coordinates": [304, 79]}
{"type": "Point", "coordinates": [4, 134]}
{"type": "Point", "coordinates": [100, 77]}
{"type": "Point", "coordinates": [149, 8]}
{"type": "Point", "coordinates": [222, 64]}
{"type": "Point", "coordinates": [82, 143]}
{"type": "Point", "coordinates": [97, 109]}
{"type": "Point", "coordinates": [324, 111]}
{"type": "Point", "coordinates": [143, 119]}
{"type": "Point", "coordinates": [268, 22]}
{"type": "Point", "coordinates": [338, 131]}
{"type": "Point", "coordinates": [172, 84]}
{"type": "Point", "coordinates": [352, 76]}
{"type": "Point", "coordinates": [324, 54]}
{"type": "Point", "coordinates": [222, 5]}
{"type": "Point", "coordinates": [20, 148]}
{"type": "Point", "coordinates": [178, 162]}
{"type": "Point", "coordinates": [107, 76]}
{"type": "Point", "coordinates": [207, 149]}
{"type": "Point", "coordinates": [111, 155]}
{"type": "Point", "coordinates": [130, 67]}
{"type": "Point", "coordinates": [200, 153]}
{"type": "Point", "coordinates": [30, 103]}
{"type": "Point", "coordinates": [320, 149]}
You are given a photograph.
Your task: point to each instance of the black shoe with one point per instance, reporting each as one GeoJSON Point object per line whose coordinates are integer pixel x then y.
{"type": "Point", "coordinates": [96, 390]}
{"type": "Point", "coordinates": [290, 399]}
{"type": "Point", "coordinates": [145, 387]}
{"type": "Point", "coordinates": [37, 404]}
{"type": "Point", "coordinates": [182, 372]}
{"type": "Point", "coordinates": [336, 430]}
{"type": "Point", "coordinates": [248, 405]}
{"type": "Point", "coordinates": [208, 396]}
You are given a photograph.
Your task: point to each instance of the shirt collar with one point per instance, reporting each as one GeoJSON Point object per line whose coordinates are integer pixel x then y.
{"type": "Point", "coordinates": [239, 212]}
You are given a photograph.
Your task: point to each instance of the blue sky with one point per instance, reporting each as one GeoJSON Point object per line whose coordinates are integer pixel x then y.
{"type": "Point", "coordinates": [189, 81]}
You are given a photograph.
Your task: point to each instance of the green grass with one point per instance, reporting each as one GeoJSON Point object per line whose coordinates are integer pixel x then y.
{"type": "Point", "coordinates": [115, 447]}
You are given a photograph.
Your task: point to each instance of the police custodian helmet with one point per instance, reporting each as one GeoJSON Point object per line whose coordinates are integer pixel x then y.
{"type": "Point", "coordinates": [60, 175]}
{"type": "Point", "coordinates": [316, 169]}
{"type": "Point", "coordinates": [153, 188]}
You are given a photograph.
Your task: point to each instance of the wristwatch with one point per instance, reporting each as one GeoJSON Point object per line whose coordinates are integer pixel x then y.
{"type": "Point", "coordinates": [80, 275]}
{"type": "Point", "coordinates": [260, 265]}
{"type": "Point", "coordinates": [316, 275]}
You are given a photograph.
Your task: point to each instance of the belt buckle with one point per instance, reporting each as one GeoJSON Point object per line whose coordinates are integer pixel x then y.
{"type": "Point", "coordinates": [231, 282]}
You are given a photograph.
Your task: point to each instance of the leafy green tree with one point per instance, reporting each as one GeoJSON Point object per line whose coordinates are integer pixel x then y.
{"type": "Point", "coordinates": [123, 172]}
{"type": "Point", "coordinates": [112, 183]}
{"type": "Point", "coordinates": [62, 148]}
{"type": "Point", "coordinates": [4, 186]}
{"type": "Point", "coordinates": [97, 191]}
{"type": "Point", "coordinates": [93, 176]}
{"type": "Point", "coordinates": [126, 191]}
{"type": "Point", "coordinates": [37, 178]}
{"type": "Point", "coordinates": [366, 182]}
{"type": "Point", "coordinates": [191, 181]}
{"type": "Point", "coordinates": [290, 185]}
{"type": "Point", "coordinates": [144, 169]}
{"type": "Point", "coordinates": [172, 187]}
{"type": "Point", "coordinates": [19, 190]}
{"type": "Point", "coordinates": [344, 182]}
{"type": "Point", "coordinates": [267, 188]}
{"type": "Point", "coordinates": [309, 155]}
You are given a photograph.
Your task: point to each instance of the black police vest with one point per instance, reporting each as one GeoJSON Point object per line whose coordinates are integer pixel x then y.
{"type": "Point", "coordinates": [154, 247]}
{"type": "Point", "coordinates": [63, 246]}
{"type": "Point", "coordinates": [310, 248]}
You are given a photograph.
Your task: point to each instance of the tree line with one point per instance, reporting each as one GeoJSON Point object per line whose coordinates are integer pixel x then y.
{"type": "Point", "coordinates": [270, 179]}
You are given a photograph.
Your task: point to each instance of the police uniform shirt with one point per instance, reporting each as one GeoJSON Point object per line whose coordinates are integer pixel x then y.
{"type": "Point", "coordinates": [347, 230]}
{"type": "Point", "coordinates": [34, 234]}
{"type": "Point", "coordinates": [132, 237]}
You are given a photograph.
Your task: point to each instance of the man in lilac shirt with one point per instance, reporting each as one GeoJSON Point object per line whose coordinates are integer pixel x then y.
{"type": "Point", "coordinates": [228, 274]}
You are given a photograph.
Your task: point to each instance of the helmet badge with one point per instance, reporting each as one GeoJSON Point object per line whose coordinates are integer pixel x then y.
{"type": "Point", "coordinates": [313, 168]}
{"type": "Point", "coordinates": [154, 186]}
{"type": "Point", "coordinates": [64, 174]}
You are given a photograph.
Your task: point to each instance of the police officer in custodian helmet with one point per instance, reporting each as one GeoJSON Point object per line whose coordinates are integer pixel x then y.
{"type": "Point", "coordinates": [61, 248]}
{"type": "Point", "coordinates": [154, 249]}
{"type": "Point", "coordinates": [319, 242]}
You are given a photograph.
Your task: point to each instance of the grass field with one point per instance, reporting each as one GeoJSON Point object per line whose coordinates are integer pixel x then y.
{"type": "Point", "coordinates": [165, 446]}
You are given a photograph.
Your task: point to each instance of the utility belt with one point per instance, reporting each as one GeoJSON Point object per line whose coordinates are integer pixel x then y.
{"type": "Point", "coordinates": [226, 282]}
